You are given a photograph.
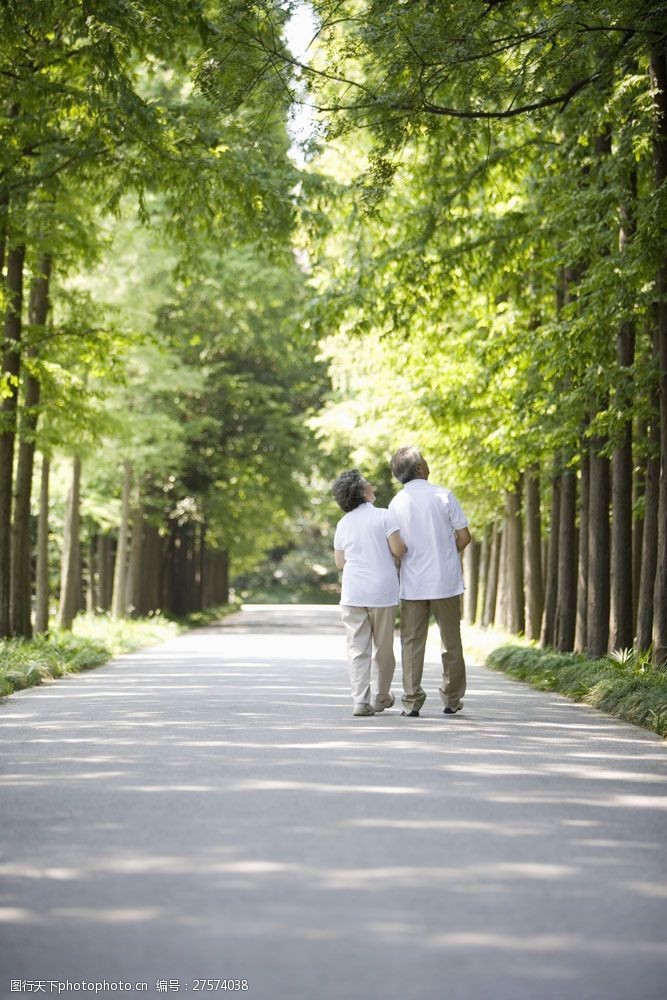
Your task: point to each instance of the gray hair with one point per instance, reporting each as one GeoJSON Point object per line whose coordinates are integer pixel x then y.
{"type": "Point", "coordinates": [404, 463]}
{"type": "Point", "coordinates": [350, 490]}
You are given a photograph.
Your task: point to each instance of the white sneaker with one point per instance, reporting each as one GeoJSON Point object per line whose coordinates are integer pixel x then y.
{"type": "Point", "coordinates": [363, 709]}
{"type": "Point", "coordinates": [386, 701]}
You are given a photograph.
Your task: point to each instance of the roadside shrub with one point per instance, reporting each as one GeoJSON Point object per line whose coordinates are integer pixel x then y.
{"type": "Point", "coordinates": [94, 640]}
{"type": "Point", "coordinates": [623, 684]}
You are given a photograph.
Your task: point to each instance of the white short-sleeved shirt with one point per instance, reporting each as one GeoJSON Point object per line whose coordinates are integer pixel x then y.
{"type": "Point", "coordinates": [370, 577]}
{"type": "Point", "coordinates": [428, 516]}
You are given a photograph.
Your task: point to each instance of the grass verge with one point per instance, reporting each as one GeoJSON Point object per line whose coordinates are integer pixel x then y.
{"type": "Point", "coordinates": [622, 684]}
{"type": "Point", "coordinates": [94, 640]}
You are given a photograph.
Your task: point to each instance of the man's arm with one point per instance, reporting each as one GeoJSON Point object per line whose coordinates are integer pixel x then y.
{"type": "Point", "coordinates": [339, 558]}
{"type": "Point", "coordinates": [463, 538]}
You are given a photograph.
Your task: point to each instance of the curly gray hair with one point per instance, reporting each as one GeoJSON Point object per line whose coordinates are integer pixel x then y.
{"type": "Point", "coordinates": [350, 490]}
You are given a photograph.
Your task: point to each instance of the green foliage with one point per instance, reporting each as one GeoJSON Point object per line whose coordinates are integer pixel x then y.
{"type": "Point", "coordinates": [145, 149]}
{"type": "Point", "coordinates": [237, 324]}
{"type": "Point", "coordinates": [470, 276]}
{"type": "Point", "coordinates": [625, 686]}
{"type": "Point", "coordinates": [301, 570]}
{"type": "Point", "coordinates": [450, 255]}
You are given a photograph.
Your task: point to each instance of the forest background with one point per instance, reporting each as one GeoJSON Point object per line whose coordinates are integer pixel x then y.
{"type": "Point", "coordinates": [234, 264]}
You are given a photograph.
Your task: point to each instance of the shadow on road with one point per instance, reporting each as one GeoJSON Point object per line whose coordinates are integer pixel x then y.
{"type": "Point", "coordinates": [211, 809]}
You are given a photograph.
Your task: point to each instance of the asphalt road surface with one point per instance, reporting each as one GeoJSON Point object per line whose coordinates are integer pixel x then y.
{"type": "Point", "coordinates": [209, 814]}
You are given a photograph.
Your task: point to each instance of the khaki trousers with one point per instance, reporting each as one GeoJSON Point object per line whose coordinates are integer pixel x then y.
{"type": "Point", "coordinates": [370, 642]}
{"type": "Point", "coordinates": [414, 631]}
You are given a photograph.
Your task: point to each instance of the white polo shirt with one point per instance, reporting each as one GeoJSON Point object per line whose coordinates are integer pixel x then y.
{"type": "Point", "coordinates": [370, 577]}
{"type": "Point", "coordinates": [428, 516]}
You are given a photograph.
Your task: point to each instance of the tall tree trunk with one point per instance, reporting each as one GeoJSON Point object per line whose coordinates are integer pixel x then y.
{"type": "Point", "coordinates": [92, 589]}
{"type": "Point", "coordinates": [12, 112]}
{"type": "Point", "coordinates": [566, 590]}
{"type": "Point", "coordinates": [597, 611]}
{"type": "Point", "coordinates": [483, 571]}
{"type": "Point", "coordinates": [638, 490]}
{"type": "Point", "coordinates": [649, 550]}
{"type": "Point", "coordinates": [471, 563]}
{"type": "Point", "coordinates": [105, 570]}
{"type": "Point", "coordinates": [135, 599]}
{"type": "Point", "coordinates": [548, 632]}
{"type": "Point", "coordinates": [621, 620]}
{"type": "Point", "coordinates": [223, 578]}
{"type": "Point", "coordinates": [151, 568]}
{"type": "Point", "coordinates": [516, 621]}
{"type": "Point", "coordinates": [621, 630]}
{"type": "Point", "coordinates": [42, 602]}
{"type": "Point", "coordinates": [120, 573]}
{"type": "Point", "coordinates": [193, 566]}
{"type": "Point", "coordinates": [201, 559]}
{"type": "Point", "coordinates": [70, 576]}
{"type": "Point", "coordinates": [502, 594]}
{"type": "Point", "coordinates": [168, 574]}
{"type": "Point", "coordinates": [11, 365]}
{"type": "Point", "coordinates": [189, 557]}
{"type": "Point", "coordinates": [179, 570]}
{"type": "Point", "coordinates": [4, 212]}
{"type": "Point", "coordinates": [491, 590]}
{"type": "Point", "coordinates": [21, 559]}
{"type": "Point", "coordinates": [599, 555]}
{"type": "Point", "coordinates": [581, 630]}
{"type": "Point", "coordinates": [659, 74]}
{"type": "Point", "coordinates": [216, 589]}
{"type": "Point", "coordinates": [650, 533]}
{"type": "Point", "coordinates": [533, 555]}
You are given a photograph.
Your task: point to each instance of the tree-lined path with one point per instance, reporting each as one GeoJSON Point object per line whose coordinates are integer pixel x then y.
{"type": "Point", "coordinates": [210, 809]}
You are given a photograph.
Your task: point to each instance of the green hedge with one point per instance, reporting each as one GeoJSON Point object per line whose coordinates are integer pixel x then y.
{"type": "Point", "coordinates": [94, 640]}
{"type": "Point", "coordinates": [625, 685]}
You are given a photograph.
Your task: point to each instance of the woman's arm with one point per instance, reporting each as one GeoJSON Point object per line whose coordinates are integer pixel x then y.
{"type": "Point", "coordinates": [339, 557]}
{"type": "Point", "coordinates": [397, 545]}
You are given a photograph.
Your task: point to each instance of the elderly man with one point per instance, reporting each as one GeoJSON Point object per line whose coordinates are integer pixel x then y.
{"type": "Point", "coordinates": [435, 530]}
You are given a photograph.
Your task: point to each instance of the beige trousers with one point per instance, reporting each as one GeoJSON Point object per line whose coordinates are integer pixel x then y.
{"type": "Point", "coordinates": [414, 631]}
{"type": "Point", "coordinates": [370, 642]}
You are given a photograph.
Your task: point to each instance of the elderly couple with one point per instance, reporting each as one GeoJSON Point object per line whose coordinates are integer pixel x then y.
{"type": "Point", "coordinates": [425, 528]}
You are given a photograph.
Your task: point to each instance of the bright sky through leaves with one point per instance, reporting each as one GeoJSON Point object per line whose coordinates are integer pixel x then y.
{"type": "Point", "coordinates": [299, 32]}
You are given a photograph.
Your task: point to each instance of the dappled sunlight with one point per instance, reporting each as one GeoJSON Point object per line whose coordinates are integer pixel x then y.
{"type": "Point", "coordinates": [454, 878]}
{"type": "Point", "coordinates": [648, 889]}
{"type": "Point", "coordinates": [564, 943]}
{"type": "Point", "coordinates": [233, 797]}
{"type": "Point", "coordinates": [107, 915]}
{"type": "Point", "coordinates": [170, 788]}
{"type": "Point", "coordinates": [18, 915]}
{"type": "Point", "coordinates": [452, 826]}
{"type": "Point", "coordinates": [599, 802]}
{"type": "Point", "coordinates": [601, 843]}
{"type": "Point", "coordinates": [602, 773]}
{"type": "Point", "coordinates": [315, 786]}
{"type": "Point", "coordinates": [13, 869]}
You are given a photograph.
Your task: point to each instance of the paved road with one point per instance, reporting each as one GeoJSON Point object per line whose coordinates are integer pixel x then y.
{"type": "Point", "coordinates": [211, 810]}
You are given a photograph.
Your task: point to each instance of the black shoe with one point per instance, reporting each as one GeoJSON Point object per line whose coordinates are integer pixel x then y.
{"type": "Point", "coordinates": [414, 714]}
{"type": "Point", "coordinates": [452, 711]}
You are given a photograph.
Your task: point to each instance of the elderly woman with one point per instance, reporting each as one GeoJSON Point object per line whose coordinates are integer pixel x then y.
{"type": "Point", "coordinates": [366, 542]}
